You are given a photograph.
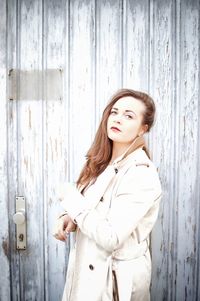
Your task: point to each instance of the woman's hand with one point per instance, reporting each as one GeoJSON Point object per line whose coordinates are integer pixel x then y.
{"type": "Point", "coordinates": [64, 225]}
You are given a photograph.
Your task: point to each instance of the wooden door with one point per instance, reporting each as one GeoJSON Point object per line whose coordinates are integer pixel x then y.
{"type": "Point", "coordinates": [36, 149]}
{"type": "Point", "coordinates": [60, 62]}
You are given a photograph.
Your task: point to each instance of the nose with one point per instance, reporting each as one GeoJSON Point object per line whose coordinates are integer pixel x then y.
{"type": "Point", "coordinates": [117, 119]}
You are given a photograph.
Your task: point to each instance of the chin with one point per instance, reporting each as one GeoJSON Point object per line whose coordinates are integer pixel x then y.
{"type": "Point", "coordinates": [111, 137]}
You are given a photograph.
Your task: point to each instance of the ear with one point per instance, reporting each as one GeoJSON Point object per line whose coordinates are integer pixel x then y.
{"type": "Point", "coordinates": [144, 129]}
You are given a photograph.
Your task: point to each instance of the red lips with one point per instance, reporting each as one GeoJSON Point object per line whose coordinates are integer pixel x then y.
{"type": "Point", "coordinates": [115, 129]}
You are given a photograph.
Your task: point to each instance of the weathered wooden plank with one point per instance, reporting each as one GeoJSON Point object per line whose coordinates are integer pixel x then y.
{"type": "Point", "coordinates": [55, 140]}
{"type": "Point", "coordinates": [12, 63]}
{"type": "Point", "coordinates": [29, 159]}
{"type": "Point", "coordinates": [108, 52]}
{"type": "Point", "coordinates": [188, 146]}
{"type": "Point", "coordinates": [135, 44]}
{"type": "Point", "coordinates": [4, 235]}
{"type": "Point", "coordinates": [162, 144]}
{"type": "Point", "coordinates": [81, 83]}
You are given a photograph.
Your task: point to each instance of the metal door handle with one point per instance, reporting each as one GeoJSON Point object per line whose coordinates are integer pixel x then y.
{"type": "Point", "coordinates": [19, 219]}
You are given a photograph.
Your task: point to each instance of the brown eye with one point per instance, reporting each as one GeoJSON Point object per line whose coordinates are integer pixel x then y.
{"type": "Point", "coordinates": [128, 116]}
{"type": "Point", "coordinates": [113, 113]}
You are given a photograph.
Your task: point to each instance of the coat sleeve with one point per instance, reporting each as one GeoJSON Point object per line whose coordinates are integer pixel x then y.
{"type": "Point", "coordinates": [136, 194]}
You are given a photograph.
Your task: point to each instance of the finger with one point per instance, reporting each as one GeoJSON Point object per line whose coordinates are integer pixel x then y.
{"type": "Point", "coordinates": [61, 235]}
{"type": "Point", "coordinates": [62, 228]}
{"type": "Point", "coordinates": [58, 237]}
{"type": "Point", "coordinates": [59, 232]}
{"type": "Point", "coordinates": [61, 238]}
{"type": "Point", "coordinates": [70, 227]}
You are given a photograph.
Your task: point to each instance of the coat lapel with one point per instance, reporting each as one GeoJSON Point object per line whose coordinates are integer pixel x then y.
{"type": "Point", "coordinates": [109, 175]}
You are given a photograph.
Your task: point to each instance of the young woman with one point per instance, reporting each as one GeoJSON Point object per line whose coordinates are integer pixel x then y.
{"type": "Point", "coordinates": [113, 208]}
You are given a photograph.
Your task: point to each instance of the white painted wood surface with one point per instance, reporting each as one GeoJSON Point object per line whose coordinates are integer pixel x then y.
{"type": "Point", "coordinates": [60, 62]}
{"type": "Point", "coordinates": [163, 141]}
{"type": "Point", "coordinates": [4, 207]}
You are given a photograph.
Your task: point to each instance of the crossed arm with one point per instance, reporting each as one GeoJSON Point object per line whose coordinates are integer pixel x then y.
{"type": "Point", "coordinates": [132, 202]}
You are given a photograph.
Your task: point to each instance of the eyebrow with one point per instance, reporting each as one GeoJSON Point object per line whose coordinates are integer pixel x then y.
{"type": "Point", "coordinates": [127, 111]}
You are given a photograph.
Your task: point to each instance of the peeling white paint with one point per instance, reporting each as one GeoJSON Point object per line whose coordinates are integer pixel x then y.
{"type": "Point", "coordinates": [64, 61]}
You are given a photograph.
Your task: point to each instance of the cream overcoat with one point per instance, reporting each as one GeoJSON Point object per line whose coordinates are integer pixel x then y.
{"type": "Point", "coordinates": [114, 220]}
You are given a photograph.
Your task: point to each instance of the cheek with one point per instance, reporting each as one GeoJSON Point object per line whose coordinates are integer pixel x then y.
{"type": "Point", "coordinates": [108, 126]}
{"type": "Point", "coordinates": [133, 130]}
{"type": "Point", "coordinates": [109, 121]}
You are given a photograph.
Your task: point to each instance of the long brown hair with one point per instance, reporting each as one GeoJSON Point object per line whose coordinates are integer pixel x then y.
{"type": "Point", "coordinates": [100, 152]}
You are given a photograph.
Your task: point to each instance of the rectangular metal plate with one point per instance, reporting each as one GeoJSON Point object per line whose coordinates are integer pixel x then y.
{"type": "Point", "coordinates": [35, 84]}
{"type": "Point", "coordinates": [21, 229]}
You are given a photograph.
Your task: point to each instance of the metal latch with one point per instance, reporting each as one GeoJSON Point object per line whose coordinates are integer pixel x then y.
{"type": "Point", "coordinates": [19, 219]}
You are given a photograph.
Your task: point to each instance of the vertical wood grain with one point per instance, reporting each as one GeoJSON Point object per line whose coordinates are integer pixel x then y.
{"type": "Point", "coordinates": [162, 144]}
{"type": "Point", "coordinates": [12, 64]}
{"type": "Point", "coordinates": [108, 52]}
{"type": "Point", "coordinates": [187, 149]}
{"type": "Point", "coordinates": [55, 140]}
{"type": "Point", "coordinates": [94, 48]}
{"type": "Point", "coordinates": [81, 83]}
{"type": "Point", "coordinates": [29, 139]}
{"type": "Point", "coordinates": [135, 64]}
{"type": "Point", "coordinates": [4, 230]}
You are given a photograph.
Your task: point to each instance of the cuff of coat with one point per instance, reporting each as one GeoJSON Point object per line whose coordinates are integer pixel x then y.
{"type": "Point", "coordinates": [73, 201]}
{"type": "Point", "coordinates": [63, 214]}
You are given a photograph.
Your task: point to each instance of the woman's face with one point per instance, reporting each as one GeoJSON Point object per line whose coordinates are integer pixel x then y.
{"type": "Point", "coordinates": [125, 121]}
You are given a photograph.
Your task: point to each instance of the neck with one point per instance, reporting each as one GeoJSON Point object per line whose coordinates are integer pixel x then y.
{"type": "Point", "coordinates": [118, 149]}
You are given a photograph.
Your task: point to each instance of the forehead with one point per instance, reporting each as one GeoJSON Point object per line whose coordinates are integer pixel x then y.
{"type": "Point", "coordinates": [129, 103]}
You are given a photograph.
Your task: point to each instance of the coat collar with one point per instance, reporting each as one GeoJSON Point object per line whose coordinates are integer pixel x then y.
{"type": "Point", "coordinates": [133, 154]}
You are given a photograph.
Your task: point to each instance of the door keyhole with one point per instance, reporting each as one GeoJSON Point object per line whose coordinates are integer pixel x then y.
{"type": "Point", "coordinates": [21, 237]}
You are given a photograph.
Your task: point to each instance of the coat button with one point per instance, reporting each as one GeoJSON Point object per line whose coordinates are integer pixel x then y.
{"type": "Point", "coordinates": [101, 199]}
{"type": "Point", "coordinates": [116, 170]}
{"type": "Point", "coordinates": [91, 267]}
